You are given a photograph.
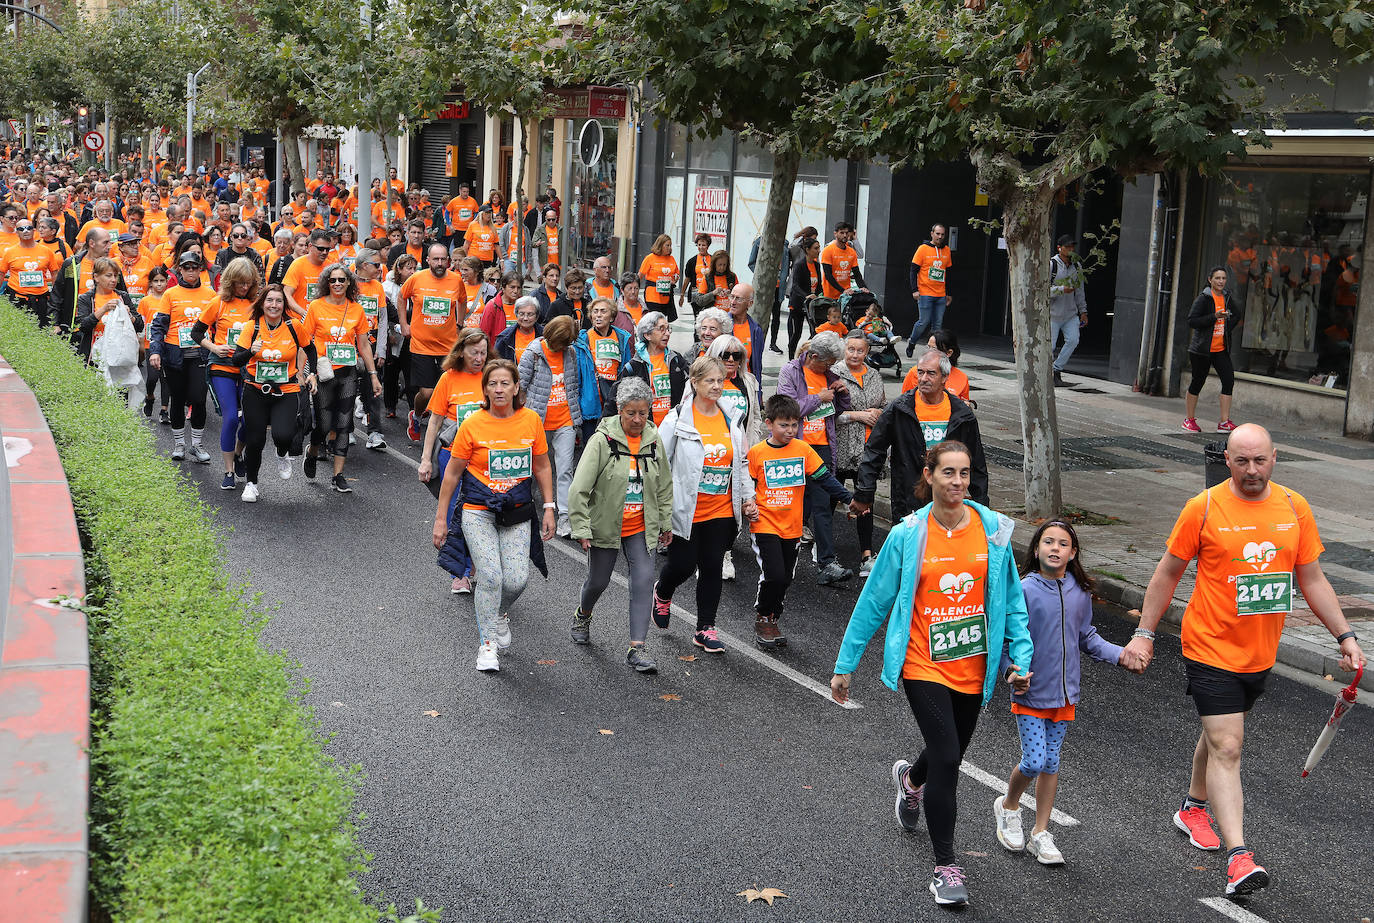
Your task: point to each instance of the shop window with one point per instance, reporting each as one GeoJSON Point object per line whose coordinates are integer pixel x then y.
{"type": "Point", "coordinates": [752, 157]}
{"type": "Point", "coordinates": [1291, 241]}
{"type": "Point", "coordinates": [676, 146]}
{"type": "Point", "coordinates": [710, 153]}
{"type": "Point", "coordinates": [545, 154]}
{"type": "Point", "coordinates": [596, 216]}
{"type": "Point", "coordinates": [673, 190]}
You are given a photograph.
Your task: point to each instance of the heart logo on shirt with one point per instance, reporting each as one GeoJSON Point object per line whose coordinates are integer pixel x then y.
{"type": "Point", "coordinates": [271, 355]}
{"type": "Point", "coordinates": [338, 332]}
{"type": "Point", "coordinates": [956, 586]}
{"type": "Point", "coordinates": [1259, 554]}
{"type": "Point", "coordinates": [715, 452]}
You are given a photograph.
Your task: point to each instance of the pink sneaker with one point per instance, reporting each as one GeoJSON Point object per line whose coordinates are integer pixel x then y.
{"type": "Point", "coordinates": [1225, 426]}
{"type": "Point", "coordinates": [461, 585]}
{"type": "Point", "coordinates": [1190, 426]}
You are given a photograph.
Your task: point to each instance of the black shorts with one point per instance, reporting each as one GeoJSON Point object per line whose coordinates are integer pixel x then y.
{"type": "Point", "coordinates": [1220, 692]}
{"type": "Point", "coordinates": [424, 371]}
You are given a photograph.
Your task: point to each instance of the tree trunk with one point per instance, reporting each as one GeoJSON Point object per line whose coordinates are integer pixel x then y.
{"type": "Point", "coordinates": [386, 177]}
{"type": "Point", "coordinates": [291, 139]}
{"type": "Point", "coordinates": [519, 229]}
{"type": "Point", "coordinates": [1026, 224]}
{"type": "Point", "coordinates": [774, 233]}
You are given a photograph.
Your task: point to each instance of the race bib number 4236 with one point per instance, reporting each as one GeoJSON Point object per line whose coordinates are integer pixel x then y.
{"type": "Point", "coordinates": [783, 472]}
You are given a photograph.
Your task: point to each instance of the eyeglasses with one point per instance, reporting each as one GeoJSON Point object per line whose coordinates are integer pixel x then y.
{"type": "Point", "coordinates": [733, 355]}
{"type": "Point", "coordinates": [238, 236]}
{"type": "Point", "coordinates": [338, 281]}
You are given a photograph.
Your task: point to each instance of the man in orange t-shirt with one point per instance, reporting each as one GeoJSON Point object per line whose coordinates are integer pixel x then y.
{"type": "Point", "coordinates": [429, 313]}
{"type": "Point", "coordinates": [461, 209]}
{"type": "Point", "coordinates": [929, 266]}
{"type": "Point", "coordinates": [1254, 541]}
{"type": "Point", "coordinates": [840, 263]}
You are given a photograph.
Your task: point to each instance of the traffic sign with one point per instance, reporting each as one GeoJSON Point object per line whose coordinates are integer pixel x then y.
{"type": "Point", "coordinates": [93, 141]}
{"type": "Point", "coordinates": [15, 126]}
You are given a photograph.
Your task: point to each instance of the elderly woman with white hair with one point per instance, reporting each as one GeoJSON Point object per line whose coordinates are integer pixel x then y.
{"type": "Point", "coordinates": [811, 382]}
{"type": "Point", "coordinates": [711, 323]}
{"type": "Point", "coordinates": [654, 363]}
{"type": "Point", "coordinates": [512, 342]}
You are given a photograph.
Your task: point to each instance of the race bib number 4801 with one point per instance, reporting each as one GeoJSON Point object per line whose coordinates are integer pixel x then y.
{"type": "Point", "coordinates": [510, 465]}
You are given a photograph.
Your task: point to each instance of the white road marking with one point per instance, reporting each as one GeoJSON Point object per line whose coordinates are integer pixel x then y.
{"type": "Point", "coordinates": [1231, 909]}
{"type": "Point", "coordinates": [737, 646]}
{"type": "Point", "coordinates": [997, 785]}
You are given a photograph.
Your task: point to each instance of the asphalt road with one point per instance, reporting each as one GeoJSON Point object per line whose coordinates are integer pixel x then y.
{"type": "Point", "coordinates": [722, 774]}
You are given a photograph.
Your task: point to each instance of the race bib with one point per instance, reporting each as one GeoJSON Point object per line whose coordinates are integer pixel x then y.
{"type": "Point", "coordinates": [783, 472]}
{"type": "Point", "coordinates": [634, 495]}
{"type": "Point", "coordinates": [715, 480]}
{"type": "Point", "coordinates": [934, 431]}
{"type": "Point", "coordinates": [184, 337]}
{"type": "Point", "coordinates": [827, 409]}
{"type": "Point", "coordinates": [273, 373]}
{"type": "Point", "coordinates": [234, 330]}
{"type": "Point", "coordinates": [936, 273]}
{"type": "Point", "coordinates": [463, 411]}
{"type": "Point", "coordinates": [348, 262]}
{"type": "Point", "coordinates": [369, 305]}
{"type": "Point", "coordinates": [341, 353]}
{"type": "Point", "coordinates": [664, 286]}
{"type": "Point", "coordinates": [136, 299]}
{"type": "Point", "coordinates": [31, 279]}
{"type": "Point", "coordinates": [434, 306]}
{"type": "Point", "coordinates": [957, 639]}
{"type": "Point", "coordinates": [607, 349]}
{"type": "Point", "coordinates": [734, 403]}
{"type": "Point", "coordinates": [663, 386]}
{"type": "Point", "coordinates": [510, 465]}
{"type": "Point", "coordinates": [1264, 594]}
{"type": "Point", "coordinates": [312, 291]}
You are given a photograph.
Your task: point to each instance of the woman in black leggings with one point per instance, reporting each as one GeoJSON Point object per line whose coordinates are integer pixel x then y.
{"type": "Point", "coordinates": [963, 609]}
{"type": "Point", "coordinates": [805, 285]}
{"type": "Point", "coordinates": [1213, 316]}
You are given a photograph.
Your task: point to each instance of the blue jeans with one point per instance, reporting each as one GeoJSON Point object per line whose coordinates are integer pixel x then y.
{"type": "Point", "coordinates": [819, 510]}
{"type": "Point", "coordinates": [930, 314]}
{"type": "Point", "coordinates": [1069, 329]}
{"type": "Point", "coordinates": [228, 391]}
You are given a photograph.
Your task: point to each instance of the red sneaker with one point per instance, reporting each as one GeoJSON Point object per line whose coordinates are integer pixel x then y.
{"type": "Point", "coordinates": [1243, 876]}
{"type": "Point", "coordinates": [413, 427]}
{"type": "Point", "coordinates": [1190, 425]}
{"type": "Point", "coordinates": [1225, 426]}
{"type": "Point", "coordinates": [1198, 826]}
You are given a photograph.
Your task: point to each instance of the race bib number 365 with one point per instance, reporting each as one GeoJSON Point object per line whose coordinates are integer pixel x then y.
{"type": "Point", "coordinates": [1264, 594]}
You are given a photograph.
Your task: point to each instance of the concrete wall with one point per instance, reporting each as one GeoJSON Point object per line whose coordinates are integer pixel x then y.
{"type": "Point", "coordinates": [1132, 269]}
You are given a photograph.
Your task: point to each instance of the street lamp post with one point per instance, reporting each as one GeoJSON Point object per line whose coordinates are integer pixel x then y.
{"type": "Point", "coordinates": [191, 78]}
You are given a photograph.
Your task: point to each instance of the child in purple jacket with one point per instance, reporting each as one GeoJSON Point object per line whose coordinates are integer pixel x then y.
{"type": "Point", "coordinates": [1059, 602]}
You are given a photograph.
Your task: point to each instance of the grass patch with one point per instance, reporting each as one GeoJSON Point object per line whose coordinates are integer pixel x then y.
{"type": "Point", "coordinates": [211, 795]}
{"type": "Point", "coordinates": [1112, 574]}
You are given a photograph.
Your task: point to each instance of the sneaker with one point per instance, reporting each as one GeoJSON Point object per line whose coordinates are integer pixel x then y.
{"type": "Point", "coordinates": [148, 408]}
{"type": "Point", "coordinates": [775, 348]}
{"type": "Point", "coordinates": [663, 610]}
{"type": "Point", "coordinates": [228, 482]}
{"type": "Point", "coordinates": [284, 467]}
{"type": "Point", "coordinates": [564, 529]}
{"type": "Point", "coordinates": [1198, 826]}
{"type": "Point", "coordinates": [815, 555]}
{"type": "Point", "coordinates": [376, 442]}
{"type": "Point", "coordinates": [250, 493]}
{"type": "Point", "coordinates": [487, 659]}
{"type": "Point", "coordinates": [340, 483]}
{"type": "Point", "coordinates": [766, 631]}
{"type": "Point", "coordinates": [199, 455]}
{"type": "Point", "coordinates": [503, 635]}
{"type": "Point", "coordinates": [1190, 425]}
{"type": "Point", "coordinates": [240, 467]}
{"type": "Point", "coordinates": [833, 573]}
{"type": "Point", "coordinates": [309, 465]}
{"type": "Point", "coordinates": [358, 408]}
{"type": "Point", "coordinates": [639, 658]}
{"type": "Point", "coordinates": [1225, 426]}
{"type": "Point", "coordinates": [727, 567]}
{"type": "Point", "coordinates": [391, 413]}
{"type": "Point", "coordinates": [1243, 876]}
{"type": "Point", "coordinates": [948, 885]}
{"type": "Point", "coordinates": [412, 427]}
{"type": "Point", "coordinates": [460, 586]}
{"type": "Point", "coordinates": [1059, 381]}
{"type": "Point", "coordinates": [866, 564]}
{"type": "Point", "coordinates": [352, 440]}
{"type": "Point", "coordinates": [178, 452]}
{"type": "Point", "coordinates": [907, 806]}
{"type": "Point", "coordinates": [709, 641]}
{"type": "Point", "coordinates": [807, 536]}
{"type": "Point", "coordinates": [581, 631]}
{"type": "Point", "coordinates": [1009, 832]}
{"type": "Point", "coordinates": [164, 417]}
{"type": "Point", "coordinates": [1041, 846]}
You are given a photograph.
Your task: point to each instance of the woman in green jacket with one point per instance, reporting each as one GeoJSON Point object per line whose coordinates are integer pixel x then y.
{"type": "Point", "coordinates": [622, 493]}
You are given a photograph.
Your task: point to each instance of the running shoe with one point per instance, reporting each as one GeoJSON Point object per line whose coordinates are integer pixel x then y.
{"type": "Point", "coordinates": [807, 538]}
{"type": "Point", "coordinates": [663, 610]}
{"type": "Point", "coordinates": [199, 455]}
{"type": "Point", "coordinates": [639, 658]}
{"type": "Point", "coordinates": [1243, 876]}
{"type": "Point", "coordinates": [949, 887]}
{"type": "Point", "coordinates": [766, 631]}
{"type": "Point", "coordinates": [240, 467]}
{"type": "Point", "coordinates": [227, 483]}
{"type": "Point", "coordinates": [1198, 826]}
{"type": "Point", "coordinates": [1009, 832]}
{"type": "Point", "coordinates": [833, 573]}
{"type": "Point", "coordinates": [148, 407]}
{"type": "Point", "coordinates": [340, 483]}
{"type": "Point", "coordinates": [1225, 426]}
{"type": "Point", "coordinates": [376, 442]}
{"type": "Point", "coordinates": [503, 635]}
{"type": "Point", "coordinates": [709, 641]}
{"type": "Point", "coordinates": [412, 427]}
{"type": "Point", "coordinates": [1041, 846]}
{"type": "Point", "coordinates": [866, 565]}
{"type": "Point", "coordinates": [727, 567]}
{"type": "Point", "coordinates": [564, 529]}
{"type": "Point", "coordinates": [581, 631]}
{"type": "Point", "coordinates": [358, 408]}
{"type": "Point", "coordinates": [391, 414]}
{"type": "Point", "coordinates": [487, 659]}
{"type": "Point", "coordinates": [907, 806]}
{"type": "Point", "coordinates": [460, 586]}
{"type": "Point", "coordinates": [250, 493]}
{"type": "Point", "coordinates": [284, 467]}
{"type": "Point", "coordinates": [308, 466]}
{"type": "Point", "coordinates": [1190, 425]}
{"type": "Point", "coordinates": [164, 417]}
{"type": "Point", "coordinates": [178, 452]}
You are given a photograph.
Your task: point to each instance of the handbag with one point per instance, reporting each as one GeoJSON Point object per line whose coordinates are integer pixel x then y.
{"type": "Point", "coordinates": [324, 369]}
{"type": "Point", "coordinates": [514, 515]}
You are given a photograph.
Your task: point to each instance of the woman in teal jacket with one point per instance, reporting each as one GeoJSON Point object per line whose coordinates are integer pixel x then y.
{"type": "Point", "coordinates": [948, 572]}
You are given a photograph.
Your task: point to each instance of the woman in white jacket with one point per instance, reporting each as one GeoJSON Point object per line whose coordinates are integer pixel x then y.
{"type": "Point", "coordinates": [712, 495]}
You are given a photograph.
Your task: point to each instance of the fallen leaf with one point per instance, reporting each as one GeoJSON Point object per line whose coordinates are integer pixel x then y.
{"type": "Point", "coordinates": [337, 704]}
{"type": "Point", "coordinates": [546, 663]}
{"type": "Point", "coordinates": [1328, 677]}
{"type": "Point", "coordinates": [432, 714]}
{"type": "Point", "coordinates": [1200, 868]}
{"type": "Point", "coordinates": [807, 787]}
{"type": "Point", "coordinates": [974, 852]}
{"type": "Point", "coordinates": [669, 697]}
{"type": "Point", "coordinates": [606, 732]}
{"type": "Point", "coordinates": [689, 658]}
{"type": "Point", "coordinates": [755, 894]}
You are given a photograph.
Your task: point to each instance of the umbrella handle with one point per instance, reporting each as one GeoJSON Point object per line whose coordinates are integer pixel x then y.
{"type": "Point", "coordinates": [1349, 692]}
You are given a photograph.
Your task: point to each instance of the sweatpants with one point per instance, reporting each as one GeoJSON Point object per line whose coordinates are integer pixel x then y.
{"type": "Point", "coordinates": [228, 391]}
{"type": "Point", "coordinates": [562, 452]}
{"type": "Point", "coordinates": [600, 566]}
{"type": "Point", "coordinates": [946, 719]}
{"type": "Point", "coordinates": [702, 552]}
{"type": "Point", "coordinates": [777, 558]}
{"type": "Point", "coordinates": [259, 412]}
{"type": "Point", "coordinates": [500, 565]}
{"type": "Point", "coordinates": [187, 385]}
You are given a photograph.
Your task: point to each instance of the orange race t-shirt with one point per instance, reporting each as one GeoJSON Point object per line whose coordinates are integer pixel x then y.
{"type": "Point", "coordinates": [721, 284]}
{"type": "Point", "coordinates": [481, 242]}
{"type": "Point", "coordinates": [433, 311]}
{"type": "Point", "coordinates": [956, 383]}
{"type": "Point", "coordinates": [605, 350]}
{"type": "Point", "coordinates": [780, 477]}
{"type": "Point", "coordinates": [934, 263]}
{"type": "Point", "coordinates": [304, 277]}
{"type": "Point", "coordinates": [500, 452]}
{"type": "Point", "coordinates": [457, 395]}
{"type": "Point", "coordinates": [184, 306]}
{"type": "Point", "coordinates": [949, 632]}
{"type": "Point", "coordinates": [742, 333]}
{"type": "Point", "coordinates": [148, 306]}
{"type": "Point", "coordinates": [934, 419]}
{"type": "Point", "coordinates": [661, 383]}
{"type": "Point", "coordinates": [461, 210]}
{"type": "Point", "coordinates": [29, 270]}
{"type": "Point", "coordinates": [603, 291]}
{"type": "Point", "coordinates": [838, 329]}
{"type": "Point", "coordinates": [813, 427]}
{"type": "Point", "coordinates": [734, 401]}
{"type": "Point", "coordinates": [276, 364]}
{"type": "Point", "coordinates": [632, 517]}
{"type": "Point", "coordinates": [1247, 551]}
{"type": "Point", "coordinates": [717, 468]}
{"type": "Point", "coordinates": [660, 273]}
{"type": "Point", "coordinates": [1219, 327]}
{"type": "Point", "coordinates": [522, 341]}
{"type": "Point", "coordinates": [841, 263]}
{"type": "Point", "coordinates": [556, 414]}
{"type": "Point", "coordinates": [636, 311]}
{"type": "Point", "coordinates": [226, 320]}
{"type": "Point", "coordinates": [371, 298]}
{"type": "Point", "coordinates": [335, 328]}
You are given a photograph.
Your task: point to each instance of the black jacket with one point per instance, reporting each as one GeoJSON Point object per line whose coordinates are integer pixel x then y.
{"type": "Point", "coordinates": [801, 283]}
{"type": "Point", "coordinates": [640, 368]}
{"type": "Point", "coordinates": [505, 341]}
{"type": "Point", "coordinates": [541, 295]}
{"type": "Point", "coordinates": [227, 255]}
{"type": "Point", "coordinates": [898, 429]}
{"type": "Point", "coordinates": [564, 307]}
{"type": "Point", "coordinates": [1202, 318]}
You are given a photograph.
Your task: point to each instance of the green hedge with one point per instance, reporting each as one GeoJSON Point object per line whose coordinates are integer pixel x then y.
{"type": "Point", "coordinates": [212, 798]}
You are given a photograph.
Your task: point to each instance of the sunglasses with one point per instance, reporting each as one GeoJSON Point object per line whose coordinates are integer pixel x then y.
{"type": "Point", "coordinates": [23, 227]}
{"type": "Point", "coordinates": [319, 248]}
{"type": "Point", "coordinates": [238, 236]}
{"type": "Point", "coordinates": [337, 281]}
{"type": "Point", "coordinates": [733, 355]}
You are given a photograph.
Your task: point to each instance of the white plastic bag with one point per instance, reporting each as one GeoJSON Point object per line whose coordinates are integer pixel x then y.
{"type": "Point", "coordinates": [117, 351]}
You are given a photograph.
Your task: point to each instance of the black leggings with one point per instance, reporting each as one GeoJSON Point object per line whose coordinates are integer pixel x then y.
{"type": "Point", "coordinates": [187, 385]}
{"type": "Point", "coordinates": [34, 304]}
{"type": "Point", "coordinates": [797, 316]}
{"type": "Point", "coordinates": [777, 558]}
{"type": "Point", "coordinates": [334, 410]}
{"type": "Point", "coordinates": [864, 524]}
{"type": "Point", "coordinates": [1221, 362]}
{"type": "Point", "coordinates": [946, 719]}
{"type": "Point", "coordinates": [392, 370]}
{"type": "Point", "coordinates": [260, 411]}
{"type": "Point", "coordinates": [704, 553]}
{"type": "Point", "coordinates": [775, 320]}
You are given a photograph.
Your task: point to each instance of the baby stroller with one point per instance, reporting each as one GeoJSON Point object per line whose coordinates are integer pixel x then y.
{"type": "Point", "coordinates": [882, 354]}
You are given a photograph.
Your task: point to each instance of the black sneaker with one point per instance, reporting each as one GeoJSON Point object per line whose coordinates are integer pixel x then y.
{"type": "Point", "coordinates": [240, 466]}
{"type": "Point", "coordinates": [709, 641]}
{"type": "Point", "coordinates": [309, 466]}
{"type": "Point", "coordinates": [148, 407]}
{"type": "Point", "coordinates": [228, 482]}
{"type": "Point", "coordinates": [947, 884]}
{"type": "Point", "coordinates": [663, 610]}
{"type": "Point", "coordinates": [1059, 381]}
{"type": "Point", "coordinates": [833, 573]}
{"type": "Point", "coordinates": [581, 631]}
{"type": "Point", "coordinates": [639, 658]}
{"type": "Point", "coordinates": [907, 806]}
{"type": "Point", "coordinates": [164, 417]}
{"type": "Point", "coordinates": [340, 483]}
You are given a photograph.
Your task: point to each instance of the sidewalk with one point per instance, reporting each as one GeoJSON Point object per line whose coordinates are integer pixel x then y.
{"type": "Point", "coordinates": [1124, 456]}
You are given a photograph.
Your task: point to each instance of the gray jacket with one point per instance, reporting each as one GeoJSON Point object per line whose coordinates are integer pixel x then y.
{"type": "Point", "coordinates": [1065, 304]}
{"type": "Point", "coordinates": [536, 380]}
{"type": "Point", "coordinates": [850, 437]}
{"type": "Point", "coordinates": [686, 456]}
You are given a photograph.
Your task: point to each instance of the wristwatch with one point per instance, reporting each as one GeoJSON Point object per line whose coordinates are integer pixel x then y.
{"type": "Point", "coordinates": [1347, 634]}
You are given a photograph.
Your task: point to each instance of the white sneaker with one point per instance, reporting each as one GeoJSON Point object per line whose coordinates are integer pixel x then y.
{"type": "Point", "coordinates": [807, 538]}
{"type": "Point", "coordinates": [564, 529]}
{"type": "Point", "coordinates": [358, 408]}
{"type": "Point", "coordinates": [250, 492]}
{"type": "Point", "coordinates": [503, 635]}
{"type": "Point", "coordinates": [376, 442]}
{"type": "Point", "coordinates": [351, 440]}
{"type": "Point", "coordinates": [1042, 847]}
{"type": "Point", "coordinates": [199, 455]}
{"type": "Point", "coordinates": [727, 570]}
{"type": "Point", "coordinates": [178, 451]}
{"type": "Point", "coordinates": [284, 467]}
{"type": "Point", "coordinates": [815, 556]}
{"type": "Point", "coordinates": [487, 660]}
{"type": "Point", "coordinates": [1009, 832]}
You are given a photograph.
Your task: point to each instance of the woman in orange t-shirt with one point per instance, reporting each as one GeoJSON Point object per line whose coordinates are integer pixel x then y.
{"type": "Point", "coordinates": [658, 273]}
{"type": "Point", "coordinates": [1212, 317]}
{"type": "Point", "coordinates": [218, 331]}
{"type": "Point", "coordinates": [158, 279]}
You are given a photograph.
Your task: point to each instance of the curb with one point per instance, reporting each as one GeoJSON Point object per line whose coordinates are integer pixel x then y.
{"type": "Point", "coordinates": [44, 674]}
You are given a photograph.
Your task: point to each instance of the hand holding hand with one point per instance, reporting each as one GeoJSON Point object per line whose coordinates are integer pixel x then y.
{"type": "Point", "coordinates": [1019, 682]}
{"type": "Point", "coordinates": [857, 508]}
{"type": "Point", "coordinates": [1137, 654]}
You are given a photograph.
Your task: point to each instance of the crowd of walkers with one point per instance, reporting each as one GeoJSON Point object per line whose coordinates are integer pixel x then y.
{"type": "Point", "coordinates": [565, 412]}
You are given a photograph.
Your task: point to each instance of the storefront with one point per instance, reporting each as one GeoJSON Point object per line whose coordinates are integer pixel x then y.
{"type": "Point", "coordinates": [448, 150]}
